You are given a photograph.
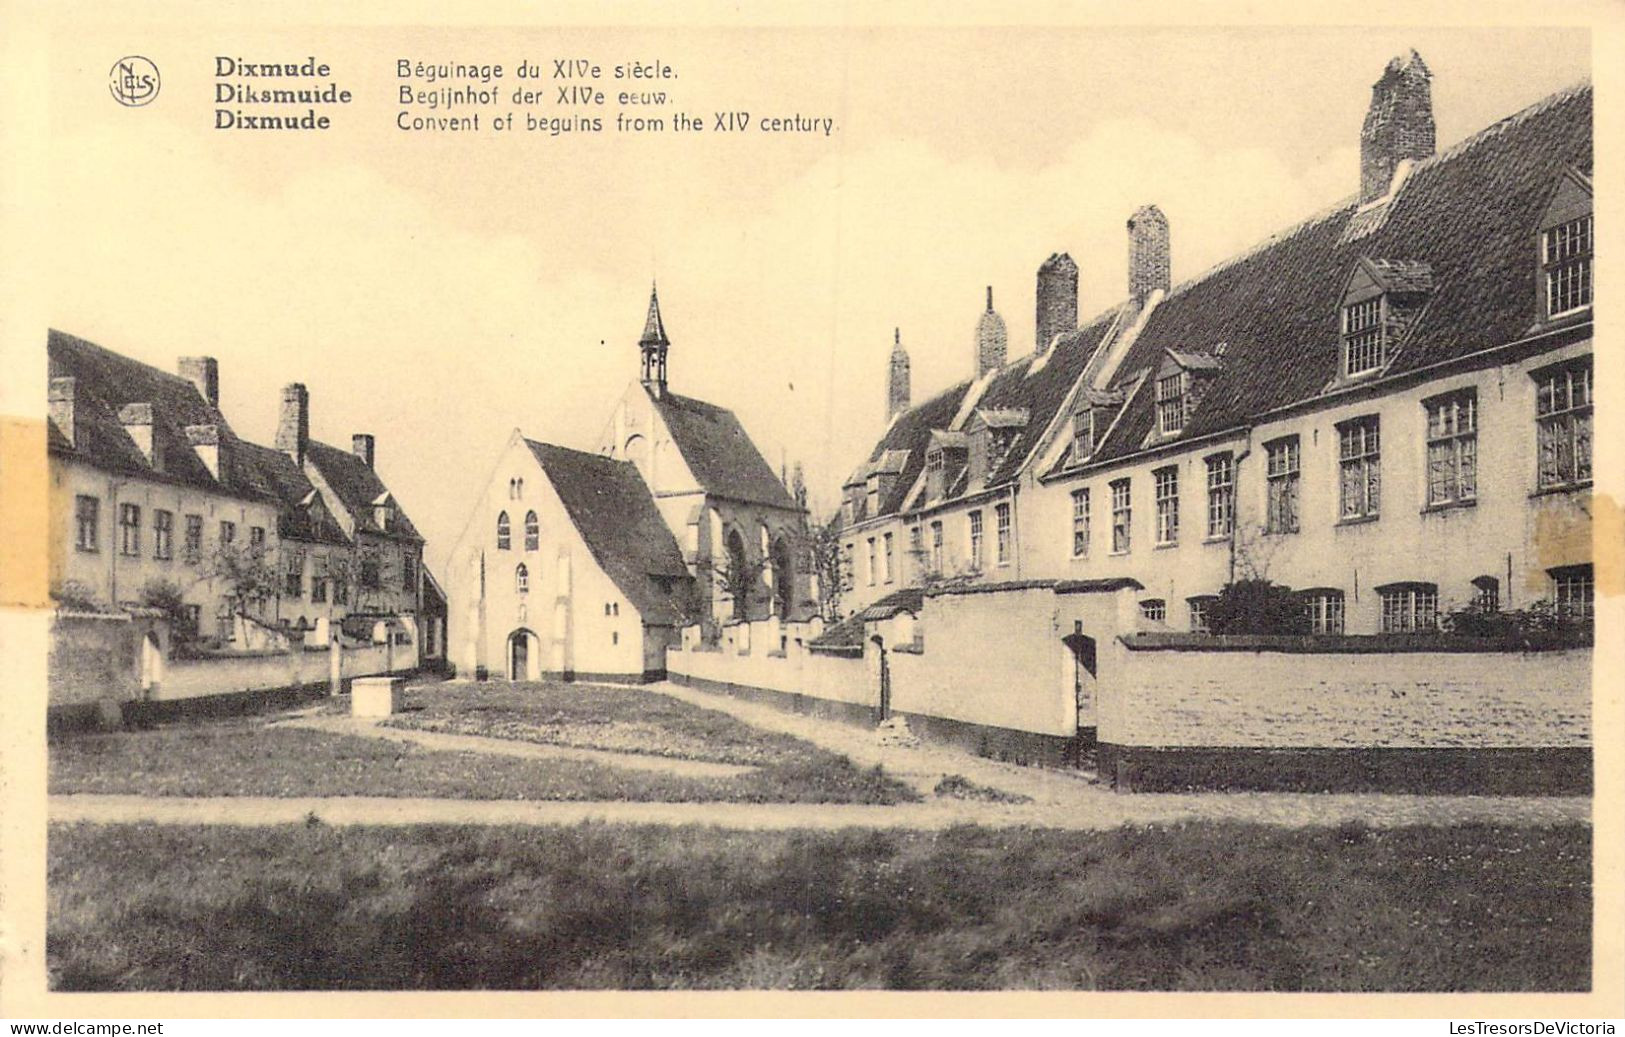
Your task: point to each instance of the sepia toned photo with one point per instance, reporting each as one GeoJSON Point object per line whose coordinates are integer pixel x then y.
{"type": "Point", "coordinates": [1028, 508]}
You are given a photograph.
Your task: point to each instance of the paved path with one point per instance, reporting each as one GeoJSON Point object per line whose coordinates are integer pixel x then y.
{"type": "Point", "coordinates": [1302, 811]}
{"type": "Point", "coordinates": [369, 727]}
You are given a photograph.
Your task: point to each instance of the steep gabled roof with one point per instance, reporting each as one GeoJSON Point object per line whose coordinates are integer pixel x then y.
{"type": "Point", "coordinates": [358, 488]}
{"type": "Point", "coordinates": [611, 507]}
{"type": "Point", "coordinates": [105, 383]}
{"type": "Point", "coordinates": [910, 435]}
{"type": "Point", "coordinates": [719, 452]}
{"type": "Point", "coordinates": [302, 515]}
{"type": "Point", "coordinates": [1464, 224]}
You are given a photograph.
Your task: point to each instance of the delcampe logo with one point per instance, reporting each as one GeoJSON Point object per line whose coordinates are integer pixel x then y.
{"type": "Point", "coordinates": [133, 81]}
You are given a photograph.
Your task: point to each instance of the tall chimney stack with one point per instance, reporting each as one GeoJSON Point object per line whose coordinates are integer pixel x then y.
{"type": "Point", "coordinates": [992, 341]}
{"type": "Point", "coordinates": [1398, 126]}
{"type": "Point", "coordinates": [63, 396]}
{"type": "Point", "coordinates": [361, 445]}
{"type": "Point", "coordinates": [1148, 264]}
{"type": "Point", "coordinates": [898, 387]}
{"type": "Point", "coordinates": [293, 425]}
{"type": "Point", "coordinates": [203, 372]}
{"type": "Point", "coordinates": [1057, 299]}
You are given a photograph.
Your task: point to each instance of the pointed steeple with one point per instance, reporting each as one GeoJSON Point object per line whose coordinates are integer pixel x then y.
{"type": "Point", "coordinates": [897, 382]}
{"type": "Point", "coordinates": [653, 345]}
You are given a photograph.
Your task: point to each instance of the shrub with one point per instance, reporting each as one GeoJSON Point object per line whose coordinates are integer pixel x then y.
{"type": "Point", "coordinates": [1540, 625]}
{"type": "Point", "coordinates": [1257, 606]}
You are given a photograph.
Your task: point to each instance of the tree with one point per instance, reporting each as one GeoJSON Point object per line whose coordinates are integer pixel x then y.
{"type": "Point", "coordinates": [739, 576]}
{"type": "Point", "coordinates": [827, 561]}
{"type": "Point", "coordinates": [249, 579]}
{"type": "Point", "coordinates": [1257, 606]}
{"type": "Point", "coordinates": [165, 596]}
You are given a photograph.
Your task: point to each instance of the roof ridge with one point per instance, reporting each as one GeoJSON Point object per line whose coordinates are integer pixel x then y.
{"type": "Point", "coordinates": [1501, 125]}
{"type": "Point", "coordinates": [178, 380]}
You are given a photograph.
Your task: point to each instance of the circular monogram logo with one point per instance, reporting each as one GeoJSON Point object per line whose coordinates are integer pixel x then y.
{"type": "Point", "coordinates": [133, 81]}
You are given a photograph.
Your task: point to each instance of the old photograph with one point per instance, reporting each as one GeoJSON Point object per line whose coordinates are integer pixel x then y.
{"type": "Point", "coordinates": [820, 506]}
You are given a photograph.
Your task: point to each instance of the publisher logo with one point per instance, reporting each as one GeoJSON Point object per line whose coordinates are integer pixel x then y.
{"type": "Point", "coordinates": [133, 81]}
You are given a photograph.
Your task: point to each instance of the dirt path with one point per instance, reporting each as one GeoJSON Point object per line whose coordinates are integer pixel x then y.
{"type": "Point", "coordinates": [368, 727]}
{"type": "Point", "coordinates": [1302, 811]}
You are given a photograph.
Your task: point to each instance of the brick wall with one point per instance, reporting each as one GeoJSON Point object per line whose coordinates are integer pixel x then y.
{"type": "Point", "coordinates": [1412, 700]}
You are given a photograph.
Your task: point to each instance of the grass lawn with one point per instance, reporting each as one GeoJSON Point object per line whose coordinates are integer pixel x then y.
{"type": "Point", "coordinates": [1201, 906]}
{"type": "Point", "coordinates": [595, 716]}
{"type": "Point", "coordinates": [248, 758]}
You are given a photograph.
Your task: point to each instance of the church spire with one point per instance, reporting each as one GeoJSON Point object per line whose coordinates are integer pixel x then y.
{"type": "Point", "coordinates": [897, 382]}
{"type": "Point", "coordinates": [653, 344]}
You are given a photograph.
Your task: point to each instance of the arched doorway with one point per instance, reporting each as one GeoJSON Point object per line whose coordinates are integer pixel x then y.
{"type": "Point", "coordinates": [783, 574]}
{"type": "Point", "coordinates": [738, 576]}
{"type": "Point", "coordinates": [523, 656]}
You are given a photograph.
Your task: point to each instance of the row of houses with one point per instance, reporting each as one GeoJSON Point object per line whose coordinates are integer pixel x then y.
{"type": "Point", "coordinates": [159, 506]}
{"type": "Point", "coordinates": [1386, 408]}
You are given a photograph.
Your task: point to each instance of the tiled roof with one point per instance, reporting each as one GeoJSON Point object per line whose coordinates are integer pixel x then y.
{"type": "Point", "coordinates": [1463, 223]}
{"type": "Point", "coordinates": [910, 434]}
{"type": "Point", "coordinates": [720, 453]}
{"type": "Point", "coordinates": [358, 488]}
{"type": "Point", "coordinates": [303, 514]}
{"type": "Point", "coordinates": [847, 635]}
{"type": "Point", "coordinates": [105, 383]}
{"type": "Point", "coordinates": [613, 510]}
{"type": "Point", "coordinates": [909, 599]}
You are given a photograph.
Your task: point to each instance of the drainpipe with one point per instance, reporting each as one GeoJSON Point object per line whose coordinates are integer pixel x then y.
{"type": "Point", "coordinates": [114, 544]}
{"type": "Point", "coordinates": [1235, 502]}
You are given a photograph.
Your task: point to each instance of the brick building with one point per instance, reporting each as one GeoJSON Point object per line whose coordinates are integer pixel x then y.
{"type": "Point", "coordinates": [152, 486]}
{"type": "Point", "coordinates": [1386, 408]}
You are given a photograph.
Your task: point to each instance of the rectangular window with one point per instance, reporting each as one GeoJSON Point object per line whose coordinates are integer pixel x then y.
{"type": "Point", "coordinates": [1324, 609]}
{"type": "Point", "coordinates": [1409, 608]}
{"type": "Point", "coordinates": [1283, 460]}
{"type": "Point", "coordinates": [1154, 609]}
{"type": "Point", "coordinates": [1001, 521]}
{"type": "Point", "coordinates": [341, 586]}
{"type": "Point", "coordinates": [1167, 493]}
{"type": "Point", "coordinates": [163, 534]}
{"type": "Point", "coordinates": [370, 577]}
{"type": "Point", "coordinates": [194, 538]}
{"type": "Point", "coordinates": [1221, 495]}
{"type": "Point", "coordinates": [1121, 516]}
{"type": "Point", "coordinates": [1359, 461]}
{"type": "Point", "coordinates": [1452, 448]}
{"type": "Point", "coordinates": [318, 579]}
{"type": "Point", "coordinates": [129, 529]}
{"type": "Point", "coordinates": [1080, 523]}
{"type": "Point", "coordinates": [1083, 435]}
{"type": "Point", "coordinates": [228, 534]}
{"type": "Point", "coordinates": [87, 523]}
{"type": "Point", "coordinates": [1362, 337]}
{"type": "Point", "coordinates": [1171, 403]}
{"type": "Point", "coordinates": [1574, 592]}
{"type": "Point", "coordinates": [256, 538]}
{"type": "Point", "coordinates": [916, 545]}
{"type": "Point", "coordinates": [1566, 252]}
{"type": "Point", "coordinates": [976, 541]}
{"type": "Point", "coordinates": [936, 547]}
{"type": "Point", "coordinates": [1199, 613]}
{"type": "Point", "coordinates": [223, 623]}
{"type": "Point", "coordinates": [192, 616]}
{"type": "Point", "coordinates": [1486, 594]}
{"type": "Point", "coordinates": [886, 560]}
{"type": "Point", "coordinates": [294, 574]}
{"type": "Point", "coordinates": [1563, 425]}
{"type": "Point", "coordinates": [873, 566]}
{"type": "Point", "coordinates": [409, 574]}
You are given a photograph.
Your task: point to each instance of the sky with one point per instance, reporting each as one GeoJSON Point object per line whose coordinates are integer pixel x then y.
{"type": "Point", "coordinates": [439, 291]}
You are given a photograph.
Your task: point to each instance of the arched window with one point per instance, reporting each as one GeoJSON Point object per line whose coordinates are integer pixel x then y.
{"type": "Point", "coordinates": [504, 533]}
{"type": "Point", "coordinates": [533, 532]}
{"type": "Point", "coordinates": [521, 579]}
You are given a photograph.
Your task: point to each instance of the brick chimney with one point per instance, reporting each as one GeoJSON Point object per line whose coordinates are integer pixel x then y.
{"type": "Point", "coordinates": [897, 380]}
{"type": "Point", "coordinates": [361, 444]}
{"type": "Point", "coordinates": [1398, 126]}
{"type": "Point", "coordinates": [293, 425]}
{"type": "Point", "coordinates": [203, 372]}
{"type": "Point", "coordinates": [1148, 265]}
{"type": "Point", "coordinates": [1057, 299]}
{"type": "Point", "coordinates": [63, 396]}
{"type": "Point", "coordinates": [992, 341]}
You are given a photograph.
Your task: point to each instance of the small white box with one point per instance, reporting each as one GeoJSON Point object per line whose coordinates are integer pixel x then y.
{"type": "Point", "coordinates": [376, 696]}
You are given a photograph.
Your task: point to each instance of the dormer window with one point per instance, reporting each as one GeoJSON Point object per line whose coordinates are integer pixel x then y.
{"type": "Point", "coordinates": [1566, 255]}
{"type": "Point", "coordinates": [1171, 403]}
{"type": "Point", "coordinates": [1362, 337]}
{"type": "Point", "coordinates": [935, 463]}
{"type": "Point", "coordinates": [1083, 435]}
